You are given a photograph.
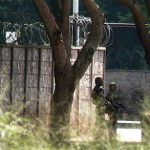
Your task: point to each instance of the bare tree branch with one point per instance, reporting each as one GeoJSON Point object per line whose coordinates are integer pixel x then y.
{"type": "Point", "coordinates": [94, 38]}
{"type": "Point", "coordinates": [140, 25]}
{"type": "Point", "coordinates": [58, 48]}
{"type": "Point", "coordinates": [65, 25]}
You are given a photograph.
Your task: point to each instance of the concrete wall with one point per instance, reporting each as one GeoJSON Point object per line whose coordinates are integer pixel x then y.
{"type": "Point", "coordinates": [26, 78]}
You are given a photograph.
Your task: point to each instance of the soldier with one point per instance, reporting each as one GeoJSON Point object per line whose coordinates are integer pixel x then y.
{"type": "Point", "coordinates": [111, 105]}
{"type": "Point", "coordinates": [98, 99]}
{"type": "Point", "coordinates": [98, 91]}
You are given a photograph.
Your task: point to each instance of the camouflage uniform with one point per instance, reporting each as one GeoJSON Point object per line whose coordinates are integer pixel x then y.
{"type": "Point", "coordinates": [98, 100]}
{"type": "Point", "coordinates": [112, 98]}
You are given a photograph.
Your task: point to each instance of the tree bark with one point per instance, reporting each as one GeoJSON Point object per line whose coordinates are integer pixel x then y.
{"type": "Point", "coordinates": [86, 54]}
{"type": "Point", "coordinates": [67, 76]}
{"type": "Point", "coordinates": [140, 26]}
{"type": "Point", "coordinates": [55, 36]}
{"type": "Point", "coordinates": [61, 108]}
{"type": "Point", "coordinates": [62, 98]}
{"type": "Point", "coordinates": [65, 11]}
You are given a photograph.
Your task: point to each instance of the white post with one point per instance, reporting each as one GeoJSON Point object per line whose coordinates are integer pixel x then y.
{"type": "Point", "coordinates": [75, 7]}
{"type": "Point", "coordinates": [76, 27]}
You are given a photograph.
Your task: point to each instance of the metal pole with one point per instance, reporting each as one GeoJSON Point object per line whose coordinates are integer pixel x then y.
{"type": "Point", "coordinates": [75, 6]}
{"type": "Point", "coordinates": [76, 28]}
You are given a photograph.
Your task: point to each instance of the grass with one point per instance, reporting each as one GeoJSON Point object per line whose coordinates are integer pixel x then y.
{"type": "Point", "coordinates": [17, 133]}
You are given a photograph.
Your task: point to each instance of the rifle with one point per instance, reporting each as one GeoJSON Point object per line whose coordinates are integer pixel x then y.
{"type": "Point", "coordinates": [113, 106]}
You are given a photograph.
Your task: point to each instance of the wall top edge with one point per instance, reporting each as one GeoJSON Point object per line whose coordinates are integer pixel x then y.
{"type": "Point", "coordinates": [24, 46]}
{"type": "Point", "coordinates": [122, 70]}
{"type": "Point", "coordinates": [44, 47]}
{"type": "Point", "coordinates": [80, 47]}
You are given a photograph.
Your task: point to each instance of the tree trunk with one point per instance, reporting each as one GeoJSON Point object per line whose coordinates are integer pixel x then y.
{"type": "Point", "coordinates": [60, 115]}
{"type": "Point", "coordinates": [61, 106]}
{"type": "Point", "coordinates": [66, 75]}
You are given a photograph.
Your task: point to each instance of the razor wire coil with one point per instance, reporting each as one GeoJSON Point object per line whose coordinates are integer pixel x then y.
{"type": "Point", "coordinates": [35, 33]}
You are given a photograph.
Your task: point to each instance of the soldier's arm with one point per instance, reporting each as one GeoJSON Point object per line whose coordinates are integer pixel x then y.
{"type": "Point", "coordinates": [94, 95]}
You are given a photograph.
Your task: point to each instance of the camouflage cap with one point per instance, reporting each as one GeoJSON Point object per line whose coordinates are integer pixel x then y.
{"type": "Point", "coordinates": [112, 83]}
{"type": "Point", "coordinates": [112, 86]}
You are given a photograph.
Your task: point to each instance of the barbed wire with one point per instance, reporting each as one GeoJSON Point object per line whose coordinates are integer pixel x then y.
{"type": "Point", "coordinates": [107, 36]}
{"type": "Point", "coordinates": [85, 25]}
{"type": "Point", "coordinates": [29, 34]}
{"type": "Point", "coordinates": [35, 33]}
{"type": "Point", "coordinates": [80, 20]}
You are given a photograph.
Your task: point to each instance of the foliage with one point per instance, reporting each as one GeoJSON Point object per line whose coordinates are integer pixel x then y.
{"type": "Point", "coordinates": [21, 134]}
{"type": "Point", "coordinates": [116, 13]}
{"type": "Point", "coordinates": [18, 11]}
{"type": "Point", "coordinates": [18, 133]}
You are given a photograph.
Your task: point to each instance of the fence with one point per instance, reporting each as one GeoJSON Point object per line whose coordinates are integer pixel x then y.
{"type": "Point", "coordinates": [26, 78]}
